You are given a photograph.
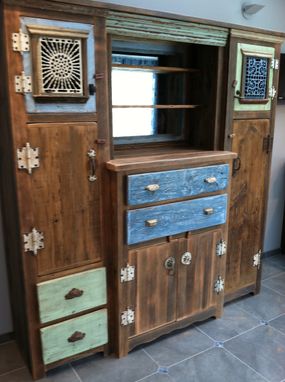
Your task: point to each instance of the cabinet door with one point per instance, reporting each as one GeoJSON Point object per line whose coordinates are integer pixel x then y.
{"type": "Point", "coordinates": [65, 203]}
{"type": "Point", "coordinates": [196, 281]}
{"type": "Point", "coordinates": [153, 294]}
{"type": "Point", "coordinates": [247, 206]}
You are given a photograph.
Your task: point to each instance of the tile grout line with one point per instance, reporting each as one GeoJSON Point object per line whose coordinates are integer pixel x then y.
{"type": "Point", "coordinates": [147, 376]}
{"type": "Point", "coordinates": [149, 356]}
{"type": "Point", "coordinates": [75, 372]}
{"type": "Point", "coordinates": [192, 356]}
{"type": "Point", "coordinates": [274, 318]}
{"type": "Point", "coordinates": [272, 276]}
{"type": "Point", "coordinates": [245, 332]}
{"type": "Point", "coordinates": [277, 330]}
{"type": "Point", "coordinates": [13, 371]}
{"type": "Point", "coordinates": [276, 291]}
{"type": "Point", "coordinates": [206, 334]}
{"type": "Point", "coordinates": [244, 363]}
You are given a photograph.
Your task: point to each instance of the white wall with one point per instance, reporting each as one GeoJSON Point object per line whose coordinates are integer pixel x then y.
{"type": "Point", "coordinates": [271, 17]}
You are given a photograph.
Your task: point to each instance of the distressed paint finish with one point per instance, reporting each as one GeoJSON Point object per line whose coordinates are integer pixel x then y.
{"type": "Point", "coordinates": [55, 344]}
{"type": "Point", "coordinates": [51, 294]}
{"type": "Point", "coordinates": [258, 50]}
{"type": "Point", "coordinates": [126, 24]}
{"type": "Point", "coordinates": [175, 218]}
{"type": "Point", "coordinates": [176, 183]}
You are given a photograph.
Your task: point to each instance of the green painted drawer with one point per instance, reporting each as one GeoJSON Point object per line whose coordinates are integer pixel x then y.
{"type": "Point", "coordinates": [74, 336]}
{"type": "Point", "coordinates": [71, 294]}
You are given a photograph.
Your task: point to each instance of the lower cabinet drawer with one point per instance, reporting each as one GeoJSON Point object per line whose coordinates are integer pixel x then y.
{"type": "Point", "coordinates": [74, 336]}
{"type": "Point", "coordinates": [71, 294]}
{"type": "Point", "coordinates": [173, 218]}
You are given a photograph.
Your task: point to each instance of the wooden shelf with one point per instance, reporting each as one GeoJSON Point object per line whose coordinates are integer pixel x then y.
{"type": "Point", "coordinates": [154, 69]}
{"type": "Point", "coordinates": [155, 106]}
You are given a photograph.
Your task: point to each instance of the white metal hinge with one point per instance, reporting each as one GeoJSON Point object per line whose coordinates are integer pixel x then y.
{"type": "Point", "coordinates": [219, 285]}
{"type": "Point", "coordinates": [127, 317]}
{"type": "Point", "coordinates": [33, 241]}
{"type": "Point", "coordinates": [257, 259]}
{"type": "Point", "coordinates": [275, 63]}
{"type": "Point", "coordinates": [272, 92]}
{"type": "Point", "coordinates": [28, 158]}
{"type": "Point", "coordinates": [127, 273]}
{"type": "Point", "coordinates": [20, 41]}
{"type": "Point", "coordinates": [23, 83]}
{"type": "Point", "coordinates": [221, 248]}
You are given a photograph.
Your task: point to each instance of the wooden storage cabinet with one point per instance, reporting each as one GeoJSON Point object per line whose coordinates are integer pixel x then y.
{"type": "Point", "coordinates": [170, 248]}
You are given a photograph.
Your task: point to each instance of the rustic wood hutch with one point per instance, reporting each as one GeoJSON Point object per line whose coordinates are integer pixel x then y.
{"type": "Point", "coordinates": [135, 156]}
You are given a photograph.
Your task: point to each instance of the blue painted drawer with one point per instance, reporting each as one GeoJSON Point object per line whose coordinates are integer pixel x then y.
{"type": "Point", "coordinates": [169, 219]}
{"type": "Point", "coordinates": [166, 185]}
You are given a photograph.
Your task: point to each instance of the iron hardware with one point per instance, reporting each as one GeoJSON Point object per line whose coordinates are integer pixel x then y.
{"type": "Point", "coordinates": [151, 222]}
{"type": "Point", "coordinates": [169, 264]}
{"type": "Point", "coordinates": [236, 165]}
{"type": "Point", "coordinates": [221, 248]}
{"type": "Point", "coordinates": [231, 136]}
{"type": "Point", "coordinates": [23, 83]}
{"type": "Point", "coordinates": [92, 165]}
{"type": "Point", "coordinates": [33, 241]}
{"type": "Point", "coordinates": [257, 259]}
{"type": "Point", "coordinates": [99, 76]}
{"type": "Point", "coordinates": [186, 258]}
{"type": "Point", "coordinates": [152, 187]}
{"type": "Point", "coordinates": [28, 158]}
{"type": "Point", "coordinates": [20, 42]}
{"type": "Point", "coordinates": [76, 336]}
{"type": "Point", "coordinates": [275, 63]}
{"type": "Point", "coordinates": [219, 285]}
{"type": "Point", "coordinates": [272, 92]}
{"type": "Point", "coordinates": [127, 317]}
{"type": "Point", "coordinates": [211, 180]}
{"type": "Point", "coordinates": [208, 211]}
{"type": "Point", "coordinates": [92, 89]}
{"type": "Point", "coordinates": [73, 293]}
{"type": "Point", "coordinates": [127, 273]}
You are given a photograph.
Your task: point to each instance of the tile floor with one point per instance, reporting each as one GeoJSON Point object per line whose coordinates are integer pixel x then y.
{"type": "Point", "coordinates": [246, 345]}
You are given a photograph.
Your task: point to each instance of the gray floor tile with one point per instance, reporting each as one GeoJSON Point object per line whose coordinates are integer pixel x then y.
{"type": "Point", "coordinates": [233, 322]}
{"type": "Point", "coordinates": [278, 260]}
{"type": "Point", "coordinates": [128, 369]}
{"type": "Point", "coordinates": [10, 358]}
{"type": "Point", "coordinates": [264, 306]}
{"type": "Point", "coordinates": [270, 269]}
{"type": "Point", "coordinates": [263, 349]}
{"type": "Point", "coordinates": [178, 346]}
{"type": "Point", "coordinates": [279, 323]}
{"type": "Point", "coordinates": [215, 365]}
{"type": "Point", "coordinates": [61, 374]}
{"type": "Point", "coordinates": [277, 283]}
{"type": "Point", "coordinates": [157, 377]}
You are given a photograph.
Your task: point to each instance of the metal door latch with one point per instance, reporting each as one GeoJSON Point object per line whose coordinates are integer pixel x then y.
{"type": "Point", "coordinates": [33, 241]}
{"type": "Point", "coordinates": [28, 158]}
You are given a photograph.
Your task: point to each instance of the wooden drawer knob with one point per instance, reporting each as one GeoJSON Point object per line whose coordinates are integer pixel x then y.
{"type": "Point", "coordinates": [73, 293]}
{"type": "Point", "coordinates": [76, 336]}
{"type": "Point", "coordinates": [152, 187]}
{"type": "Point", "coordinates": [151, 222]}
{"type": "Point", "coordinates": [208, 211]}
{"type": "Point", "coordinates": [211, 180]}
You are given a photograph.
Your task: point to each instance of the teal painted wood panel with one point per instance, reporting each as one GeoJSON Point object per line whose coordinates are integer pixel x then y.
{"type": "Point", "coordinates": [174, 218]}
{"type": "Point", "coordinates": [55, 344]}
{"type": "Point", "coordinates": [150, 27]}
{"type": "Point", "coordinates": [176, 183]}
{"type": "Point", "coordinates": [51, 294]}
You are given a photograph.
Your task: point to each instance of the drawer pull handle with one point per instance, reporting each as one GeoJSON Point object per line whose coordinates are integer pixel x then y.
{"type": "Point", "coordinates": [92, 165]}
{"type": "Point", "coordinates": [151, 222]}
{"type": "Point", "coordinates": [208, 211]}
{"type": "Point", "coordinates": [152, 187]}
{"type": "Point", "coordinates": [76, 336]}
{"type": "Point", "coordinates": [73, 293]}
{"type": "Point", "coordinates": [211, 180]}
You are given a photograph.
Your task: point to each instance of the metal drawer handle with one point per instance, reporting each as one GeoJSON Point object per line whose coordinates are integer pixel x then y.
{"type": "Point", "coordinates": [151, 222]}
{"type": "Point", "coordinates": [76, 336]}
{"type": "Point", "coordinates": [152, 187]}
{"type": "Point", "coordinates": [73, 293]}
{"type": "Point", "coordinates": [92, 165]}
{"type": "Point", "coordinates": [211, 180]}
{"type": "Point", "coordinates": [208, 211]}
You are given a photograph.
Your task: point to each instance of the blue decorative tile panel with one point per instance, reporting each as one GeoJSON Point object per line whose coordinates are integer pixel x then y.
{"type": "Point", "coordinates": [176, 183]}
{"type": "Point", "coordinates": [170, 219]}
{"type": "Point", "coordinates": [255, 81]}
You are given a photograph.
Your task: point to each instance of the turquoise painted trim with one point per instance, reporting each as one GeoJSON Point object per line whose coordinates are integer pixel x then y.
{"type": "Point", "coordinates": [51, 294]}
{"type": "Point", "coordinates": [258, 49]}
{"type": "Point", "coordinates": [176, 183]}
{"type": "Point", "coordinates": [126, 24]}
{"type": "Point", "coordinates": [55, 344]}
{"type": "Point", "coordinates": [61, 107]}
{"type": "Point", "coordinates": [174, 218]}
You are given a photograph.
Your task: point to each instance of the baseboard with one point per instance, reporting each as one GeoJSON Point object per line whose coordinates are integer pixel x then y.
{"type": "Point", "coordinates": [273, 252]}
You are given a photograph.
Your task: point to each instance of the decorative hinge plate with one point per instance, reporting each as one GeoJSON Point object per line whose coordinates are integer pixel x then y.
{"type": "Point", "coordinates": [257, 259]}
{"type": "Point", "coordinates": [272, 92]}
{"type": "Point", "coordinates": [275, 63]}
{"type": "Point", "coordinates": [127, 273]}
{"type": "Point", "coordinates": [23, 83]}
{"type": "Point", "coordinates": [20, 42]}
{"type": "Point", "coordinates": [127, 317]}
{"type": "Point", "coordinates": [221, 248]}
{"type": "Point", "coordinates": [33, 241]}
{"type": "Point", "coordinates": [28, 158]}
{"type": "Point", "coordinates": [219, 285]}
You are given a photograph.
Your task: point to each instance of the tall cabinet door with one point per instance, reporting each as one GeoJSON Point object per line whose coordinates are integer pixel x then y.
{"type": "Point", "coordinates": [247, 206]}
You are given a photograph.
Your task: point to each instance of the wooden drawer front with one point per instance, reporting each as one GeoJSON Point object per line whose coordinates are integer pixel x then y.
{"type": "Point", "coordinates": [74, 336]}
{"type": "Point", "coordinates": [71, 294]}
{"type": "Point", "coordinates": [165, 185]}
{"type": "Point", "coordinates": [169, 219]}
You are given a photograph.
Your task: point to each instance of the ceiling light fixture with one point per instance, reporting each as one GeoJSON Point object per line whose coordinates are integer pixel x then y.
{"type": "Point", "coordinates": [249, 10]}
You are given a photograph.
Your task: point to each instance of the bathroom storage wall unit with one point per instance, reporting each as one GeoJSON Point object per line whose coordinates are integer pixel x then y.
{"type": "Point", "coordinates": [118, 131]}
